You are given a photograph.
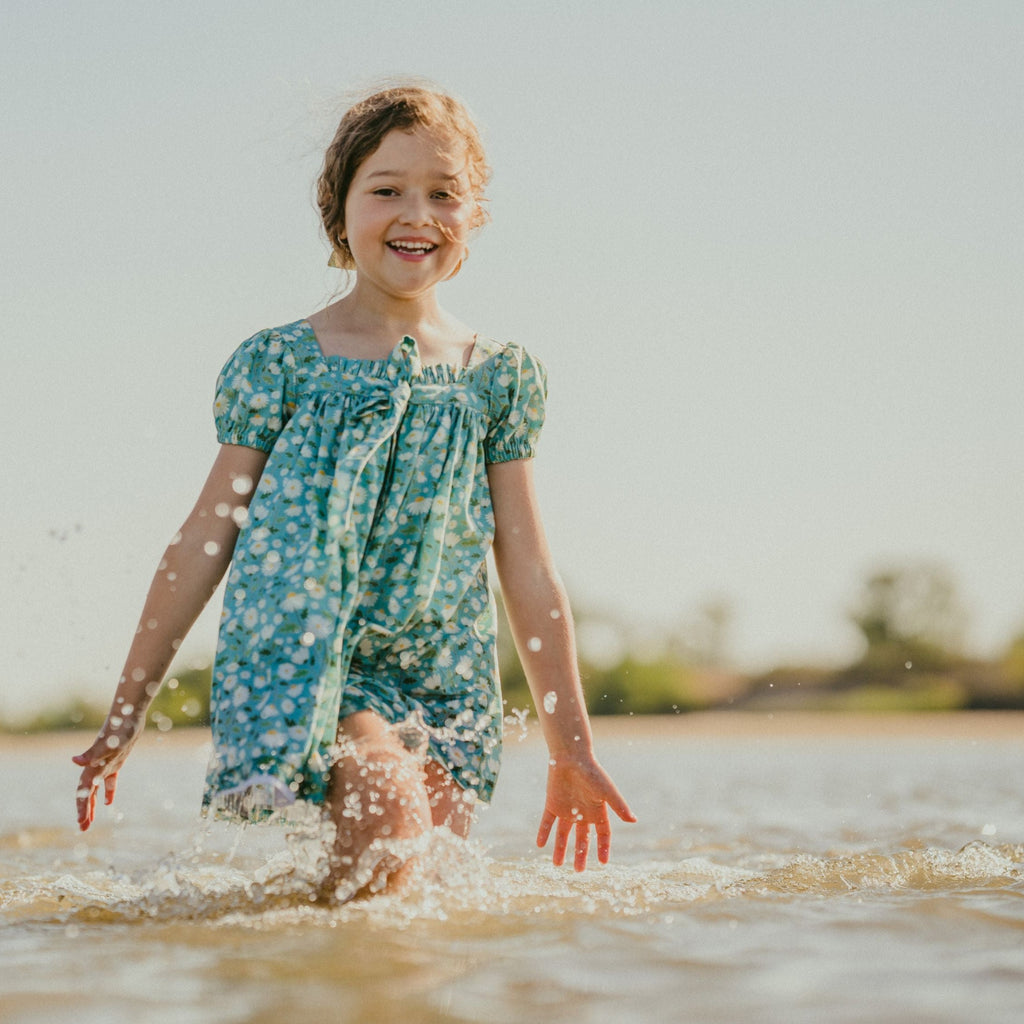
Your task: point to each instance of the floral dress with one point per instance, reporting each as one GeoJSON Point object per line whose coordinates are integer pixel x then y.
{"type": "Point", "coordinates": [359, 579]}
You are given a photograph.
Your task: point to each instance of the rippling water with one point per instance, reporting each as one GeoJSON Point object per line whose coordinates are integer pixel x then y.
{"type": "Point", "coordinates": [784, 869]}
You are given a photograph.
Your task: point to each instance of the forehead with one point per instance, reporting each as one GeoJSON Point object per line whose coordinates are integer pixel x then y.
{"type": "Point", "coordinates": [418, 150]}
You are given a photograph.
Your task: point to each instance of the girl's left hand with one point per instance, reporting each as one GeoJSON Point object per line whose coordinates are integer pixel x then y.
{"type": "Point", "coordinates": [578, 797]}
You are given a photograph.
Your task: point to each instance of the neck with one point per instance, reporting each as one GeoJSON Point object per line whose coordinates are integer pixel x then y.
{"type": "Point", "coordinates": [368, 310]}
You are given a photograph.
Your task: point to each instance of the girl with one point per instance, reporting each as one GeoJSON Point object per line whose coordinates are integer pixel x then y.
{"type": "Point", "coordinates": [370, 456]}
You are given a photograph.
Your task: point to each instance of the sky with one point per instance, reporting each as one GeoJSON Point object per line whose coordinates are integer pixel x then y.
{"type": "Point", "coordinates": [770, 253]}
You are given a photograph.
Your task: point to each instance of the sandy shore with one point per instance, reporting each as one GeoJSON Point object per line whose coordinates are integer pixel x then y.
{"type": "Point", "coordinates": [763, 724]}
{"type": "Point", "coordinates": [954, 724]}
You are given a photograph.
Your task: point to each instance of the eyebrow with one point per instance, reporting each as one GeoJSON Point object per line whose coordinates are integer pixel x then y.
{"type": "Point", "coordinates": [441, 176]}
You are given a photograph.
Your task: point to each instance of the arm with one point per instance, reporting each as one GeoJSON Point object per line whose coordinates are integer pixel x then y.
{"type": "Point", "coordinates": [579, 791]}
{"type": "Point", "coordinates": [187, 576]}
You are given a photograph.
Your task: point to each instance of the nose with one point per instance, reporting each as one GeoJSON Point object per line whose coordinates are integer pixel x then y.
{"type": "Point", "coordinates": [415, 210]}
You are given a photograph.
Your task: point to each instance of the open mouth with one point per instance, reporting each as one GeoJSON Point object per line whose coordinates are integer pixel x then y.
{"type": "Point", "coordinates": [412, 248]}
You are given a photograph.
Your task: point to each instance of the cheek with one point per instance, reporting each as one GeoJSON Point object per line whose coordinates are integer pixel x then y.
{"type": "Point", "coordinates": [460, 221]}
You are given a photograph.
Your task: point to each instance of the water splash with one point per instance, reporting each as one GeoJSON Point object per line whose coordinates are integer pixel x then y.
{"type": "Point", "coordinates": [455, 877]}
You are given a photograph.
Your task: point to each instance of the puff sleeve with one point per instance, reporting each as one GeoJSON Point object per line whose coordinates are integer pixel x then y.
{"type": "Point", "coordinates": [250, 405]}
{"type": "Point", "coordinates": [517, 400]}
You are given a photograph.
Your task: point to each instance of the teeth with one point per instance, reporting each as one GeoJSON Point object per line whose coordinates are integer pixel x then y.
{"type": "Point", "coordinates": [413, 246]}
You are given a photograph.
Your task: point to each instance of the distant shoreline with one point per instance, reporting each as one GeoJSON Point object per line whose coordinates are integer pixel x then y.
{"type": "Point", "coordinates": [987, 725]}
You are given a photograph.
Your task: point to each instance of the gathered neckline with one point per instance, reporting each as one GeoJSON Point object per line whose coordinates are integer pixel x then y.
{"type": "Point", "coordinates": [445, 370]}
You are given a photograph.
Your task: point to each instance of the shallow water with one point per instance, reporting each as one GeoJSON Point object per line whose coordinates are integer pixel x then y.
{"type": "Point", "coordinates": [796, 869]}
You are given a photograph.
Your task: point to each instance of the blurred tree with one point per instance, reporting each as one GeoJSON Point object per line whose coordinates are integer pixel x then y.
{"type": "Point", "coordinates": [910, 615]}
{"type": "Point", "coordinates": [75, 713]}
{"type": "Point", "coordinates": [703, 639]}
{"type": "Point", "coordinates": [184, 699]}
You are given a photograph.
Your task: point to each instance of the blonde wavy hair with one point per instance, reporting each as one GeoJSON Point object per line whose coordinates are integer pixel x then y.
{"type": "Point", "coordinates": [404, 107]}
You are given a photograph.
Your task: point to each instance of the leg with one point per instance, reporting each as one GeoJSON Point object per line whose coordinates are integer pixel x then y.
{"type": "Point", "coordinates": [450, 804]}
{"type": "Point", "coordinates": [378, 793]}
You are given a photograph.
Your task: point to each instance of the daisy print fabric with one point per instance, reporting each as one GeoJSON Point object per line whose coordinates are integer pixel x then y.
{"type": "Point", "coordinates": [359, 579]}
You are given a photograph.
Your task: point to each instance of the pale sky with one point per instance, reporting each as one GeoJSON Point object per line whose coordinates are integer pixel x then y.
{"type": "Point", "coordinates": [770, 252]}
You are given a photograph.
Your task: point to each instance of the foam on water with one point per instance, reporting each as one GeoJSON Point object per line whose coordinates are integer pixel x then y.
{"type": "Point", "coordinates": [456, 877]}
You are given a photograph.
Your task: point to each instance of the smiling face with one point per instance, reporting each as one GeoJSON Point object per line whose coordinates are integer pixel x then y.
{"type": "Point", "coordinates": [408, 213]}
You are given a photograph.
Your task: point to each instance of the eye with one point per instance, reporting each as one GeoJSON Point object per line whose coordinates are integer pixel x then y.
{"type": "Point", "coordinates": [385, 190]}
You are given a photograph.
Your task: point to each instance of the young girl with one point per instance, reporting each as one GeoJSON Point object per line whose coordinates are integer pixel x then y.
{"type": "Point", "coordinates": [370, 457]}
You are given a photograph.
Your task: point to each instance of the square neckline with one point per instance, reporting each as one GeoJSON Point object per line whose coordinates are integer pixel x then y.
{"type": "Point", "coordinates": [470, 361]}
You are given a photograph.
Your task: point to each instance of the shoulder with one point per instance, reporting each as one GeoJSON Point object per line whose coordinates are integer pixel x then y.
{"type": "Point", "coordinates": [506, 360]}
{"type": "Point", "coordinates": [274, 340]}
{"type": "Point", "coordinates": [272, 349]}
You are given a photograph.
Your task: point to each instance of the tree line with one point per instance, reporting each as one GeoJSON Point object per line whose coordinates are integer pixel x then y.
{"type": "Point", "coordinates": [911, 622]}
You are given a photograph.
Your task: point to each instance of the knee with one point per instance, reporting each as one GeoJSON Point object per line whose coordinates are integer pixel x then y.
{"type": "Point", "coordinates": [377, 784]}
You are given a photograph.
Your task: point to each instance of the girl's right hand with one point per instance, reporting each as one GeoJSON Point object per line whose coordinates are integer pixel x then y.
{"type": "Point", "coordinates": [101, 763]}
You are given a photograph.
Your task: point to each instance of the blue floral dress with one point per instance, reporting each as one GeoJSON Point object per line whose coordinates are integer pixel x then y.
{"type": "Point", "coordinates": [359, 579]}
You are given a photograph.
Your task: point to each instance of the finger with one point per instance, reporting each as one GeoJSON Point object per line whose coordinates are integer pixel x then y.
{"type": "Point", "coordinates": [582, 845]}
{"type": "Point", "coordinates": [561, 841]}
{"type": "Point", "coordinates": [82, 809]}
{"type": "Point", "coordinates": [617, 802]}
{"type": "Point", "coordinates": [88, 783]}
{"type": "Point", "coordinates": [90, 758]}
{"type": "Point", "coordinates": [109, 788]}
{"type": "Point", "coordinates": [547, 820]}
{"type": "Point", "coordinates": [604, 840]}
{"type": "Point", "coordinates": [86, 805]}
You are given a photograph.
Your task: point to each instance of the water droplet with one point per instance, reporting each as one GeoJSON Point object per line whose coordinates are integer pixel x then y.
{"type": "Point", "coordinates": [909, 665]}
{"type": "Point", "coordinates": [534, 643]}
{"type": "Point", "coordinates": [222, 509]}
{"type": "Point", "coordinates": [211, 547]}
{"type": "Point", "coordinates": [242, 484]}
{"type": "Point", "coordinates": [989, 830]}
{"type": "Point", "coordinates": [138, 674]}
{"type": "Point", "coordinates": [555, 613]}
{"type": "Point", "coordinates": [113, 742]}
{"type": "Point", "coordinates": [307, 639]}
{"type": "Point", "coordinates": [550, 701]}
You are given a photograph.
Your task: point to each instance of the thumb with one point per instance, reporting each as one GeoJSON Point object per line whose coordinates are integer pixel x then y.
{"type": "Point", "coordinates": [87, 759]}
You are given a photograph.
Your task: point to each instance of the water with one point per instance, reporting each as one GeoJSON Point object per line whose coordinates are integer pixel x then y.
{"type": "Point", "coordinates": [795, 869]}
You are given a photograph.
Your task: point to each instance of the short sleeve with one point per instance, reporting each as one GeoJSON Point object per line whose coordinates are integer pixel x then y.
{"type": "Point", "coordinates": [249, 408]}
{"type": "Point", "coordinates": [518, 394]}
